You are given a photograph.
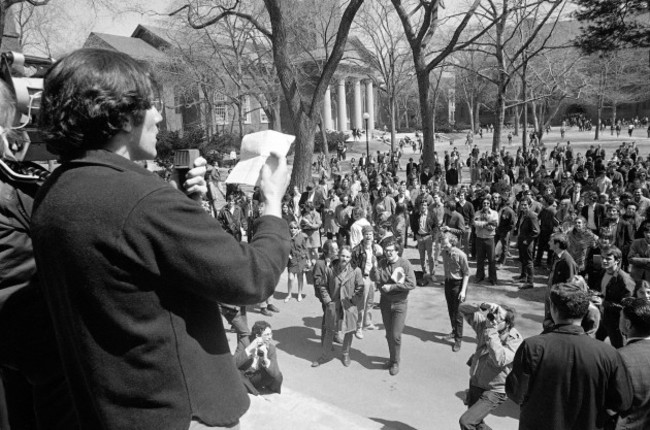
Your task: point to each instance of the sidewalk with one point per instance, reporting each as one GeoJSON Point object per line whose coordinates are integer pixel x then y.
{"type": "Point", "coordinates": [295, 410]}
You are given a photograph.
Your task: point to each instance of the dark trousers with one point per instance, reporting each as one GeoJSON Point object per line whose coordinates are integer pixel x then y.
{"type": "Point", "coordinates": [503, 237]}
{"type": "Point", "coordinates": [393, 315]}
{"type": "Point", "coordinates": [485, 249]}
{"type": "Point", "coordinates": [526, 258]}
{"type": "Point", "coordinates": [542, 246]}
{"type": "Point", "coordinates": [452, 289]}
{"type": "Point", "coordinates": [609, 328]}
{"type": "Point", "coordinates": [480, 403]}
{"type": "Point", "coordinates": [328, 343]}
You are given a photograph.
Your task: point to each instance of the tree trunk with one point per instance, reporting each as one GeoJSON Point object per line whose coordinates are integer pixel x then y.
{"type": "Point", "coordinates": [517, 114]}
{"type": "Point", "coordinates": [275, 119]}
{"type": "Point", "coordinates": [599, 113]}
{"type": "Point", "coordinates": [325, 149]}
{"type": "Point", "coordinates": [392, 109]}
{"type": "Point", "coordinates": [470, 110]}
{"type": "Point", "coordinates": [477, 116]}
{"type": "Point", "coordinates": [301, 173]}
{"type": "Point", "coordinates": [500, 109]}
{"type": "Point", "coordinates": [428, 145]}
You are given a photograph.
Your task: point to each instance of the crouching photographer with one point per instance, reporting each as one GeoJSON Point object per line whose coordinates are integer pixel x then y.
{"type": "Point", "coordinates": [497, 341]}
{"type": "Point", "coordinates": [256, 358]}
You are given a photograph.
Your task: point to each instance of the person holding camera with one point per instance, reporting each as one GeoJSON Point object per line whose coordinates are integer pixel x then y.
{"type": "Point", "coordinates": [497, 341]}
{"type": "Point", "coordinates": [257, 360]}
{"type": "Point", "coordinates": [132, 269]}
{"type": "Point", "coordinates": [33, 390]}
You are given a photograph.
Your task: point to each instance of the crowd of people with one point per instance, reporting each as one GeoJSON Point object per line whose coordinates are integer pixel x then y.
{"type": "Point", "coordinates": [578, 218]}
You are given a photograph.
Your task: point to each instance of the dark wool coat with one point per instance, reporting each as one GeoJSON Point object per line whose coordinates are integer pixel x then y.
{"type": "Point", "coordinates": [132, 271]}
{"type": "Point", "coordinates": [565, 380]}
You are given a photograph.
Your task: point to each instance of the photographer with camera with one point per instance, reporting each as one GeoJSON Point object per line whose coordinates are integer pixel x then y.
{"type": "Point", "coordinates": [496, 343]}
{"type": "Point", "coordinates": [36, 395]}
{"type": "Point", "coordinates": [257, 360]}
{"type": "Point", "coordinates": [132, 269]}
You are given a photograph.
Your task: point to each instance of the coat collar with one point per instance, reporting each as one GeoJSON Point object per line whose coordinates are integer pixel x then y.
{"type": "Point", "coordinates": [103, 157]}
{"type": "Point", "coordinates": [567, 329]}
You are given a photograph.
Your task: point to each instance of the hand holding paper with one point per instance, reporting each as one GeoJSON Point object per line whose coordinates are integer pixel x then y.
{"type": "Point", "coordinates": [256, 148]}
{"type": "Point", "coordinates": [263, 161]}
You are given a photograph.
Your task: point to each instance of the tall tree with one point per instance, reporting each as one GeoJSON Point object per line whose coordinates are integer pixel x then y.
{"type": "Point", "coordinates": [522, 30]}
{"type": "Point", "coordinates": [421, 22]}
{"type": "Point", "coordinates": [304, 103]}
{"type": "Point", "coordinates": [613, 24]}
{"type": "Point", "coordinates": [383, 47]}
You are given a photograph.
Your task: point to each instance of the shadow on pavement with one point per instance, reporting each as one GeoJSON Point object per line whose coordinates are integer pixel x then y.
{"type": "Point", "coordinates": [506, 409]}
{"type": "Point", "coordinates": [393, 425]}
{"type": "Point", "coordinates": [297, 340]}
{"type": "Point", "coordinates": [533, 317]}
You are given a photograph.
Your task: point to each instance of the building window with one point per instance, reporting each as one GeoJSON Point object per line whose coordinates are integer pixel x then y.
{"type": "Point", "coordinates": [220, 109]}
{"type": "Point", "coordinates": [263, 118]}
{"type": "Point", "coordinates": [246, 109]}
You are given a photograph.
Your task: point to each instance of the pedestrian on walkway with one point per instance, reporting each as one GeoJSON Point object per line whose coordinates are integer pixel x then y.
{"type": "Point", "coordinates": [395, 278]}
{"type": "Point", "coordinates": [341, 296]}
{"type": "Point", "coordinates": [486, 221]}
{"type": "Point", "coordinates": [456, 271]}
{"type": "Point", "coordinates": [364, 257]}
{"type": "Point", "coordinates": [527, 232]}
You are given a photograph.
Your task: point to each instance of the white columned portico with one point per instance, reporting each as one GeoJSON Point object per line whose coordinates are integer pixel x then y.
{"type": "Point", "coordinates": [370, 104]}
{"type": "Point", "coordinates": [358, 115]}
{"type": "Point", "coordinates": [342, 110]}
{"type": "Point", "coordinates": [327, 110]}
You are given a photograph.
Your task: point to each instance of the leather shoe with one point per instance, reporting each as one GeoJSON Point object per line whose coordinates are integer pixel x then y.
{"type": "Point", "coordinates": [266, 312]}
{"type": "Point", "coordinates": [346, 360]}
{"type": "Point", "coordinates": [273, 308]}
{"type": "Point", "coordinates": [456, 346]}
{"type": "Point", "coordinates": [394, 369]}
{"type": "Point", "coordinates": [387, 365]}
{"type": "Point", "coordinates": [321, 360]}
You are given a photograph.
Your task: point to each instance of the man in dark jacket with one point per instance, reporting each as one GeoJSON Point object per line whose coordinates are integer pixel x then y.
{"type": "Point", "coordinates": [621, 230]}
{"type": "Point", "coordinates": [133, 269]}
{"type": "Point", "coordinates": [564, 268]}
{"type": "Point", "coordinates": [507, 222]}
{"type": "Point", "coordinates": [563, 379]}
{"type": "Point", "coordinates": [547, 223]}
{"type": "Point", "coordinates": [395, 278]}
{"type": "Point", "coordinates": [610, 286]}
{"type": "Point", "coordinates": [635, 325]}
{"type": "Point", "coordinates": [527, 232]}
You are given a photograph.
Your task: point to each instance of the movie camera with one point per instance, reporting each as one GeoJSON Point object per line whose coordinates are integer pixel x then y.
{"type": "Point", "coordinates": [24, 76]}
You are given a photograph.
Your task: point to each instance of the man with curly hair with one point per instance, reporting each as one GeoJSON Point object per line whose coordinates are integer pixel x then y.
{"type": "Point", "coordinates": [132, 269]}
